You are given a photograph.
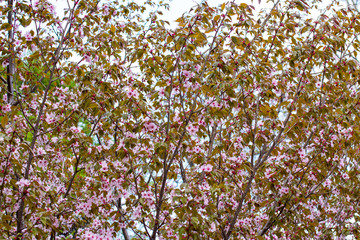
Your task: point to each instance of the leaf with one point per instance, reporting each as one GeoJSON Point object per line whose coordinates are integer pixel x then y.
{"type": "Point", "coordinates": [5, 26]}
{"type": "Point", "coordinates": [4, 121]}
{"type": "Point", "coordinates": [29, 136]}
{"type": "Point", "coordinates": [235, 40]}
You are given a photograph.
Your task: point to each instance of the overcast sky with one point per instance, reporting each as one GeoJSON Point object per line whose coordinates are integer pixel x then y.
{"type": "Point", "coordinates": [178, 7]}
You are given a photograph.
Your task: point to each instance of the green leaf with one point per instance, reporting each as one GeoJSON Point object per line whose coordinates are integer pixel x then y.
{"type": "Point", "coordinates": [4, 121]}
{"type": "Point", "coordinates": [236, 40]}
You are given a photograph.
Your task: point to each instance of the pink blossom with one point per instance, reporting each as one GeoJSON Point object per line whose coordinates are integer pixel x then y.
{"type": "Point", "coordinates": [6, 108]}
{"type": "Point", "coordinates": [206, 168]}
{"type": "Point", "coordinates": [87, 58]}
{"type": "Point", "coordinates": [104, 166]}
{"type": "Point", "coordinates": [51, 9]}
{"type": "Point", "coordinates": [28, 36]}
{"type": "Point", "coordinates": [284, 190]}
{"type": "Point", "coordinates": [5, 63]}
{"type": "Point", "coordinates": [137, 212]}
{"type": "Point", "coordinates": [188, 74]}
{"type": "Point", "coordinates": [23, 183]}
{"type": "Point", "coordinates": [42, 163]}
{"type": "Point", "coordinates": [34, 47]}
{"type": "Point", "coordinates": [75, 129]}
{"type": "Point", "coordinates": [192, 129]}
{"type": "Point", "coordinates": [212, 227]}
{"type": "Point", "coordinates": [132, 93]}
{"type": "Point", "coordinates": [327, 182]}
{"type": "Point", "coordinates": [302, 154]}
{"type": "Point", "coordinates": [106, 9]}
{"type": "Point", "coordinates": [197, 67]}
{"type": "Point", "coordinates": [50, 118]}
{"type": "Point", "coordinates": [197, 149]}
{"type": "Point", "coordinates": [41, 151]}
{"type": "Point", "coordinates": [146, 195]}
{"type": "Point", "coordinates": [268, 173]}
{"type": "Point", "coordinates": [151, 127]}
{"type": "Point", "coordinates": [162, 92]}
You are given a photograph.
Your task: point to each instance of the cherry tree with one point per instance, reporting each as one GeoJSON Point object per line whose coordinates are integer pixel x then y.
{"type": "Point", "coordinates": [229, 126]}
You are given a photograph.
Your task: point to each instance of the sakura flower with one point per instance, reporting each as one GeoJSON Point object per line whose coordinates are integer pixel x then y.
{"type": "Point", "coordinates": [284, 190]}
{"type": "Point", "coordinates": [146, 195]}
{"type": "Point", "coordinates": [87, 58]}
{"type": "Point", "coordinates": [345, 176]}
{"type": "Point", "coordinates": [170, 233]}
{"type": "Point", "coordinates": [268, 173]}
{"type": "Point", "coordinates": [188, 74]}
{"type": "Point", "coordinates": [151, 127]}
{"type": "Point", "coordinates": [302, 154]}
{"type": "Point", "coordinates": [327, 183]}
{"type": "Point", "coordinates": [28, 37]}
{"type": "Point", "coordinates": [51, 9]}
{"type": "Point", "coordinates": [212, 227]}
{"type": "Point", "coordinates": [106, 10]}
{"type": "Point", "coordinates": [197, 149]}
{"type": "Point", "coordinates": [137, 212]}
{"type": "Point", "coordinates": [5, 63]}
{"type": "Point", "coordinates": [50, 118]}
{"type": "Point", "coordinates": [23, 183]}
{"type": "Point", "coordinates": [42, 163]}
{"type": "Point", "coordinates": [206, 168]}
{"type": "Point", "coordinates": [162, 92]}
{"type": "Point", "coordinates": [104, 166]}
{"type": "Point", "coordinates": [192, 129]}
{"type": "Point", "coordinates": [75, 130]}
{"type": "Point", "coordinates": [197, 67]}
{"type": "Point", "coordinates": [333, 137]}
{"type": "Point", "coordinates": [34, 47]}
{"type": "Point", "coordinates": [132, 93]}
{"type": "Point", "coordinates": [41, 151]}
{"type": "Point", "coordinates": [6, 108]}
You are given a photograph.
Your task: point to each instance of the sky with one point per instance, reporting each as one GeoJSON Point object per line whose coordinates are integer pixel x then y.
{"type": "Point", "coordinates": [178, 7]}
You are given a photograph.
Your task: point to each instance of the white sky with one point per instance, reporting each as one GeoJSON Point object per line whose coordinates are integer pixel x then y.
{"type": "Point", "coordinates": [178, 7]}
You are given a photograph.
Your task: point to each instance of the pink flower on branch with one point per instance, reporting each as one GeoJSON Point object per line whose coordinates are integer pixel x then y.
{"type": "Point", "coordinates": [206, 168]}
{"type": "Point", "coordinates": [23, 183]}
{"type": "Point", "coordinates": [188, 74]}
{"type": "Point", "coordinates": [192, 129]}
{"type": "Point", "coordinates": [132, 93]}
{"type": "Point", "coordinates": [151, 127]}
{"type": "Point", "coordinates": [28, 37]}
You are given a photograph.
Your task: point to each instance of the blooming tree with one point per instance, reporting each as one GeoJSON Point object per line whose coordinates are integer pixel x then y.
{"type": "Point", "coordinates": [229, 126]}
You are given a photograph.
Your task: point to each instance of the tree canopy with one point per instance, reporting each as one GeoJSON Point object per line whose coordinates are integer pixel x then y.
{"type": "Point", "coordinates": [229, 126]}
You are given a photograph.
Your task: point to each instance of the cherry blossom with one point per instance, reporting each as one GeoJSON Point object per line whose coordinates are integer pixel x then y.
{"type": "Point", "coordinates": [114, 125]}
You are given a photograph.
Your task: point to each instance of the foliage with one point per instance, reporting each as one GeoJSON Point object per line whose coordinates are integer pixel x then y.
{"type": "Point", "coordinates": [229, 126]}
